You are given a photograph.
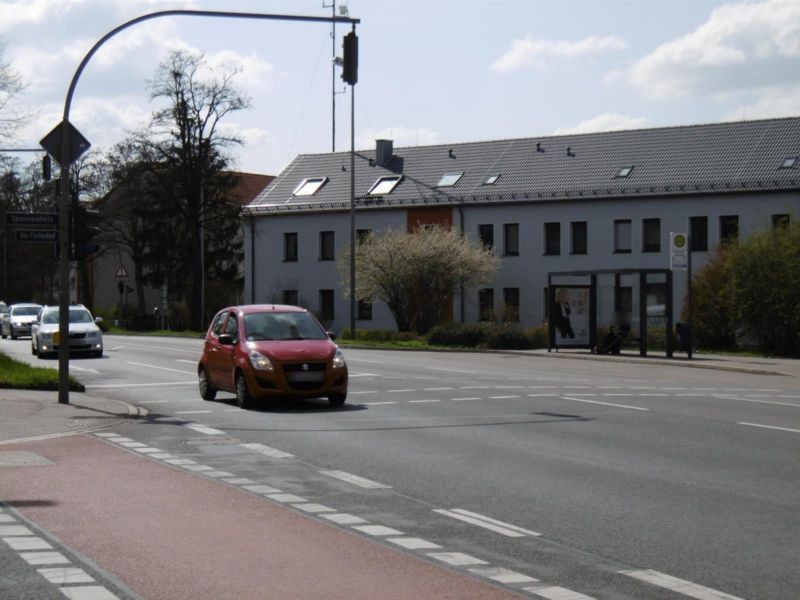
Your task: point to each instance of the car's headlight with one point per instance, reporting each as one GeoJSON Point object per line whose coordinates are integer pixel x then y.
{"type": "Point", "coordinates": [259, 361]}
{"type": "Point", "coordinates": [338, 359]}
{"type": "Point", "coordinates": [46, 336]}
{"type": "Point", "coordinates": [93, 334]}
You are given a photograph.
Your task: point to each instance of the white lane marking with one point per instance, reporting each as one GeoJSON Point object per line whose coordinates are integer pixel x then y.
{"type": "Point", "coordinates": [203, 429]}
{"type": "Point", "coordinates": [261, 489]}
{"type": "Point", "coordinates": [356, 480]}
{"type": "Point", "coordinates": [198, 468]}
{"type": "Point", "coordinates": [289, 498]}
{"type": "Point", "coordinates": [138, 364]}
{"type": "Point", "coordinates": [501, 397]}
{"type": "Point", "coordinates": [363, 375]}
{"type": "Point", "coordinates": [509, 387]}
{"type": "Point", "coordinates": [218, 474]}
{"type": "Point", "coordinates": [505, 529]}
{"type": "Point", "coordinates": [436, 389]}
{"type": "Point", "coordinates": [603, 403]}
{"type": "Point", "coordinates": [83, 369]}
{"type": "Point", "coordinates": [107, 435]}
{"type": "Point", "coordinates": [14, 530]}
{"type": "Point", "coordinates": [161, 455]}
{"type": "Point", "coordinates": [87, 592]}
{"type": "Point", "coordinates": [771, 427]}
{"type": "Point", "coordinates": [147, 450]}
{"type": "Point", "coordinates": [192, 412]}
{"type": "Point", "coordinates": [133, 445]}
{"type": "Point", "coordinates": [267, 451]}
{"type": "Point", "coordinates": [422, 401]}
{"type": "Point", "coordinates": [457, 559]}
{"type": "Point", "coordinates": [27, 543]}
{"type": "Point", "coordinates": [366, 392]}
{"type": "Point", "coordinates": [65, 575]}
{"type": "Point", "coordinates": [463, 399]}
{"type": "Point", "coordinates": [239, 481]}
{"type": "Point", "coordinates": [680, 586]}
{"type": "Point", "coordinates": [655, 395]}
{"type": "Point", "coordinates": [474, 387]}
{"type": "Point", "coordinates": [183, 360]}
{"type": "Point", "coordinates": [398, 391]}
{"type": "Point", "coordinates": [542, 387]}
{"type": "Point", "coordinates": [547, 395]}
{"type": "Point", "coordinates": [7, 519]}
{"type": "Point", "coordinates": [138, 385]}
{"type": "Point", "coordinates": [757, 401]}
{"type": "Point", "coordinates": [617, 394]}
{"type": "Point", "coordinates": [153, 401]}
{"type": "Point", "coordinates": [554, 592]}
{"type": "Point", "coordinates": [180, 461]}
{"type": "Point", "coordinates": [377, 530]}
{"type": "Point", "coordinates": [502, 575]}
{"type": "Point", "coordinates": [412, 543]}
{"type": "Point", "coordinates": [312, 507]}
{"type": "Point", "coordinates": [344, 519]}
{"type": "Point", "coordinates": [44, 558]}
{"type": "Point", "coordinates": [377, 403]}
{"type": "Point", "coordinates": [452, 370]}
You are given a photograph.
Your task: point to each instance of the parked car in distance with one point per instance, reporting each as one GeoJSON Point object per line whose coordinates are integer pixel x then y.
{"type": "Point", "coordinates": [263, 351]}
{"type": "Point", "coordinates": [84, 333]}
{"type": "Point", "coordinates": [17, 318]}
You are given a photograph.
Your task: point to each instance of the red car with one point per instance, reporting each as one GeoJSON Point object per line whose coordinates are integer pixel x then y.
{"type": "Point", "coordinates": [271, 350]}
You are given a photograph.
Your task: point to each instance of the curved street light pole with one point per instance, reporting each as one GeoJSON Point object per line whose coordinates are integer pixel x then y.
{"type": "Point", "coordinates": [64, 162]}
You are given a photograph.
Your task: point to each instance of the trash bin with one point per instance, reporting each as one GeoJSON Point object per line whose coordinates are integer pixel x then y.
{"type": "Point", "coordinates": [683, 333]}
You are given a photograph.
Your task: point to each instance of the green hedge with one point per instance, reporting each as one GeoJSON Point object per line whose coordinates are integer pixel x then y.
{"type": "Point", "coordinates": [500, 336]}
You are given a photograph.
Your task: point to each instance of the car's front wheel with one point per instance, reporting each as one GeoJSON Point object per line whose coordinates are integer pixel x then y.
{"type": "Point", "coordinates": [12, 333]}
{"type": "Point", "coordinates": [207, 391]}
{"type": "Point", "coordinates": [243, 397]}
{"type": "Point", "coordinates": [337, 399]}
{"type": "Point", "coordinates": [33, 349]}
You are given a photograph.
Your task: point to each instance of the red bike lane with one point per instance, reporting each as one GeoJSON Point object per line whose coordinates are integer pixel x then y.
{"type": "Point", "coordinates": [169, 534]}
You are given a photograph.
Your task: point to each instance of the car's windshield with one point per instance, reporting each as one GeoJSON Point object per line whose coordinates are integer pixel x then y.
{"type": "Point", "coordinates": [282, 326]}
{"type": "Point", "coordinates": [75, 316]}
{"type": "Point", "coordinates": [24, 311]}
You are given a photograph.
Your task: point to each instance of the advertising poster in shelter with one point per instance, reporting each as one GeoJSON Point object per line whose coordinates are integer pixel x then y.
{"type": "Point", "coordinates": [570, 316]}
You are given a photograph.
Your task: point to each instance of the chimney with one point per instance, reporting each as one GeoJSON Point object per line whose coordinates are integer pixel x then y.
{"type": "Point", "coordinates": [383, 152]}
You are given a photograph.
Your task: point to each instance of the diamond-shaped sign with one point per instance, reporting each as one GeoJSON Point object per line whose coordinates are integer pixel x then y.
{"type": "Point", "coordinates": [77, 143]}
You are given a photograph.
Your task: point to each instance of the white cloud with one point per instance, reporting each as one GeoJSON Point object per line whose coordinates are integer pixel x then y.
{"type": "Point", "coordinates": [604, 122]}
{"type": "Point", "coordinates": [772, 103]}
{"type": "Point", "coordinates": [741, 46]}
{"type": "Point", "coordinates": [250, 136]}
{"type": "Point", "coordinates": [401, 136]}
{"type": "Point", "coordinates": [530, 51]}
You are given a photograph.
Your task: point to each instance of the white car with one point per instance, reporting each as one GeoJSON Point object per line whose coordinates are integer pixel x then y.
{"type": "Point", "coordinates": [17, 319]}
{"type": "Point", "coordinates": [84, 334]}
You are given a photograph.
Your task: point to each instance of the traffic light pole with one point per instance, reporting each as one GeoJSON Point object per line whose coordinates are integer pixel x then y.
{"type": "Point", "coordinates": [64, 162]}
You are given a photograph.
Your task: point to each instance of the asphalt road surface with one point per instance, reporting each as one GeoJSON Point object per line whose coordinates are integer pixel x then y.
{"type": "Point", "coordinates": [573, 479]}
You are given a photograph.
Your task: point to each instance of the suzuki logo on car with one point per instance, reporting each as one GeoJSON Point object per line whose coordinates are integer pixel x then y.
{"type": "Point", "coordinates": [304, 367]}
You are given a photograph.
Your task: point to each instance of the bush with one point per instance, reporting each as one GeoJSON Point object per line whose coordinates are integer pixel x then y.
{"type": "Point", "coordinates": [469, 335]}
{"type": "Point", "coordinates": [537, 336]}
{"type": "Point", "coordinates": [379, 335]}
{"type": "Point", "coordinates": [713, 322]}
{"type": "Point", "coordinates": [502, 337]}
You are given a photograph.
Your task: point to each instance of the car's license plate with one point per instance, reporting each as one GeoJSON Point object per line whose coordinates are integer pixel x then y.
{"type": "Point", "coordinates": [306, 376]}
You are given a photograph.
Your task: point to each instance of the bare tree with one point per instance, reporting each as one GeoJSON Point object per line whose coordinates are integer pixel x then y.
{"type": "Point", "coordinates": [417, 273]}
{"type": "Point", "coordinates": [11, 86]}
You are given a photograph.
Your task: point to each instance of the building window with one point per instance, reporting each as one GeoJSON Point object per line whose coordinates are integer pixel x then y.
{"type": "Point", "coordinates": [449, 179]}
{"type": "Point", "coordinates": [309, 187]}
{"type": "Point", "coordinates": [622, 235]}
{"type": "Point", "coordinates": [362, 234]}
{"type": "Point", "coordinates": [384, 185]}
{"type": "Point", "coordinates": [326, 312]}
{"type": "Point", "coordinates": [624, 171]}
{"type": "Point", "coordinates": [651, 235]}
{"type": "Point", "coordinates": [290, 297]}
{"type": "Point", "coordinates": [364, 310]}
{"type": "Point", "coordinates": [491, 179]}
{"type": "Point", "coordinates": [698, 234]}
{"type": "Point", "coordinates": [728, 229]}
{"type": "Point", "coordinates": [486, 304]}
{"type": "Point", "coordinates": [511, 304]}
{"type": "Point", "coordinates": [486, 235]}
{"type": "Point", "coordinates": [579, 237]}
{"type": "Point", "coordinates": [789, 162]}
{"type": "Point", "coordinates": [511, 239]}
{"type": "Point", "coordinates": [326, 245]}
{"type": "Point", "coordinates": [780, 221]}
{"type": "Point", "coordinates": [552, 239]}
{"type": "Point", "coordinates": [290, 247]}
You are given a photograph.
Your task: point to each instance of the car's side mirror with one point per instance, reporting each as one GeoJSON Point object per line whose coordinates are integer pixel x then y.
{"type": "Point", "coordinates": [331, 335]}
{"type": "Point", "coordinates": [98, 320]}
{"type": "Point", "coordinates": [226, 339]}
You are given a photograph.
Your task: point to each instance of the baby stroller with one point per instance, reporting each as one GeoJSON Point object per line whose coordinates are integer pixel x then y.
{"type": "Point", "coordinates": [612, 341]}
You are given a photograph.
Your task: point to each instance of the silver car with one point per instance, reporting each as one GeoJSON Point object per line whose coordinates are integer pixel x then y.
{"type": "Point", "coordinates": [17, 319]}
{"type": "Point", "coordinates": [84, 334]}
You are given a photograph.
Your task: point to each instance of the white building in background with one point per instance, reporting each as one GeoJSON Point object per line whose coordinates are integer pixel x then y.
{"type": "Point", "coordinates": [591, 202]}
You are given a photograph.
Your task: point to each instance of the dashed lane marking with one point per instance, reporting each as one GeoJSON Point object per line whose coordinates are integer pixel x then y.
{"type": "Point", "coordinates": [377, 403]}
{"type": "Point", "coordinates": [267, 451]}
{"type": "Point", "coordinates": [413, 543]}
{"type": "Point", "coordinates": [27, 543]}
{"type": "Point", "coordinates": [139, 385]}
{"type": "Point", "coordinates": [603, 403]}
{"type": "Point", "coordinates": [502, 575]}
{"type": "Point", "coordinates": [87, 592]}
{"type": "Point", "coordinates": [451, 370]}
{"type": "Point", "coordinates": [502, 397]}
{"type": "Point", "coordinates": [553, 592]}
{"type": "Point", "coordinates": [203, 429]}
{"type": "Point", "coordinates": [439, 389]}
{"type": "Point", "coordinates": [156, 367]}
{"type": "Point", "coordinates": [680, 586]}
{"type": "Point", "coordinates": [192, 412]}
{"type": "Point", "coordinates": [457, 559]}
{"type": "Point", "coordinates": [753, 400]}
{"type": "Point", "coordinates": [44, 558]}
{"type": "Point", "coordinates": [345, 519]}
{"type": "Point", "coordinates": [377, 530]}
{"type": "Point", "coordinates": [489, 523]}
{"type": "Point", "coordinates": [464, 399]}
{"type": "Point", "coordinates": [771, 427]}
{"type": "Point", "coordinates": [399, 391]}
{"type": "Point", "coordinates": [65, 575]}
{"type": "Point", "coordinates": [355, 480]}
{"type": "Point", "coordinates": [364, 392]}
{"type": "Point", "coordinates": [422, 401]}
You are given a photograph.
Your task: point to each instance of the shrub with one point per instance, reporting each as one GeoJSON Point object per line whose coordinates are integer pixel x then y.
{"type": "Point", "coordinates": [470, 335]}
{"type": "Point", "coordinates": [537, 336]}
{"type": "Point", "coordinates": [713, 321]}
{"type": "Point", "coordinates": [502, 337]}
{"type": "Point", "coordinates": [379, 335]}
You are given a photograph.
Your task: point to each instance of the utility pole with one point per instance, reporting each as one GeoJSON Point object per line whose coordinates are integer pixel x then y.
{"type": "Point", "coordinates": [335, 62]}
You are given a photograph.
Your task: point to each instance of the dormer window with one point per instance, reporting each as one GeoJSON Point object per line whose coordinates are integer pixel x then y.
{"type": "Point", "coordinates": [789, 162]}
{"type": "Point", "coordinates": [624, 171]}
{"type": "Point", "coordinates": [384, 185]}
{"type": "Point", "coordinates": [310, 186]}
{"type": "Point", "coordinates": [449, 179]}
{"type": "Point", "coordinates": [491, 179]}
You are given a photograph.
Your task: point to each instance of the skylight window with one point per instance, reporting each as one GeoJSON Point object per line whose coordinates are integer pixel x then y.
{"type": "Point", "coordinates": [449, 179]}
{"type": "Point", "coordinates": [789, 162]}
{"type": "Point", "coordinates": [624, 171]}
{"type": "Point", "coordinates": [491, 179]}
{"type": "Point", "coordinates": [384, 185]}
{"type": "Point", "coordinates": [310, 186]}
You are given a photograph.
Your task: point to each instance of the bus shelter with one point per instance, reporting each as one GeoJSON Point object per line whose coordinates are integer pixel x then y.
{"type": "Point", "coordinates": [582, 305]}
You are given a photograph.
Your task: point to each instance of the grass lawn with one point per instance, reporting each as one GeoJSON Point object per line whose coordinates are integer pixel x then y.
{"type": "Point", "coordinates": [20, 375]}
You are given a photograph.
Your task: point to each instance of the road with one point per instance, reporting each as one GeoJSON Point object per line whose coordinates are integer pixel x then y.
{"type": "Point", "coordinates": [572, 477]}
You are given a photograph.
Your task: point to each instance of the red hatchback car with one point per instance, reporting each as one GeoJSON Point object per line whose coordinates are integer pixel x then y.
{"type": "Point", "coordinates": [271, 350]}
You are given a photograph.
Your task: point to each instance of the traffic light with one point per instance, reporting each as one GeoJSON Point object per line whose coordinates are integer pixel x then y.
{"type": "Point", "coordinates": [350, 58]}
{"type": "Point", "coordinates": [85, 230]}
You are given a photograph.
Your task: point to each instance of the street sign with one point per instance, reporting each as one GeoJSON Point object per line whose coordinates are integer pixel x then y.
{"type": "Point", "coordinates": [121, 274]}
{"type": "Point", "coordinates": [678, 251]}
{"type": "Point", "coordinates": [77, 143]}
{"type": "Point", "coordinates": [30, 218]}
{"type": "Point", "coordinates": [40, 236]}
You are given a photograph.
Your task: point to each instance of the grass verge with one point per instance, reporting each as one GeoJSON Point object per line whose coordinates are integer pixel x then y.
{"type": "Point", "coordinates": [19, 375]}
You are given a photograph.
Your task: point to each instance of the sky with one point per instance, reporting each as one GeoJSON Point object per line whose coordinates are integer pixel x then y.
{"type": "Point", "coordinates": [430, 71]}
